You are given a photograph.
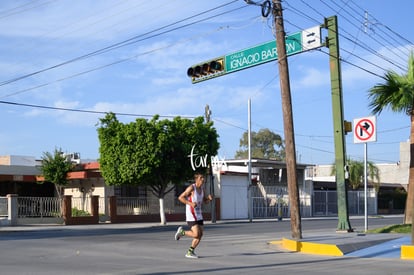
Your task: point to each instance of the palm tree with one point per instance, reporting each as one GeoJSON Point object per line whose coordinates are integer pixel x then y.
{"type": "Point", "coordinates": [356, 174]}
{"type": "Point", "coordinates": [55, 168]}
{"type": "Point", "coordinates": [397, 93]}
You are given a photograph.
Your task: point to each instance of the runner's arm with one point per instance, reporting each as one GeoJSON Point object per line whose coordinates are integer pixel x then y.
{"type": "Point", "coordinates": [184, 195]}
{"type": "Point", "coordinates": [207, 199]}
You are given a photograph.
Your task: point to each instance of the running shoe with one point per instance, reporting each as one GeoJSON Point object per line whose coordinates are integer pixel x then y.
{"type": "Point", "coordinates": [191, 255]}
{"type": "Point", "coordinates": [179, 233]}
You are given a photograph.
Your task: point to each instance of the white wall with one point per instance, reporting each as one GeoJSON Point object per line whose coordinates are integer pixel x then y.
{"type": "Point", "coordinates": [233, 197]}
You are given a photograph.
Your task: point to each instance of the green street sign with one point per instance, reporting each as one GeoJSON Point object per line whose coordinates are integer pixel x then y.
{"type": "Point", "coordinates": [261, 53]}
{"type": "Point", "coordinates": [296, 43]}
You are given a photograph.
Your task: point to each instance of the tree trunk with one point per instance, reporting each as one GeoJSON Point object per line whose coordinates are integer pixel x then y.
{"type": "Point", "coordinates": [58, 191]}
{"type": "Point", "coordinates": [162, 212]}
{"type": "Point", "coordinates": [409, 205]}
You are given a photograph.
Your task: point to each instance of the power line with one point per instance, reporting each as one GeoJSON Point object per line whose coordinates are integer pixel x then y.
{"type": "Point", "coordinates": [23, 8]}
{"type": "Point", "coordinates": [353, 40]}
{"type": "Point", "coordinates": [132, 40]}
{"type": "Point", "coordinates": [109, 64]}
{"type": "Point", "coordinates": [388, 28]}
{"type": "Point", "coordinates": [83, 111]}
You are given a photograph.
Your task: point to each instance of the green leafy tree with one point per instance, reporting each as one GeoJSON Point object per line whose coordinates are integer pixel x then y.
{"type": "Point", "coordinates": [356, 174]}
{"type": "Point", "coordinates": [397, 94]}
{"type": "Point", "coordinates": [55, 167]}
{"type": "Point", "coordinates": [264, 144]}
{"type": "Point", "coordinates": [153, 153]}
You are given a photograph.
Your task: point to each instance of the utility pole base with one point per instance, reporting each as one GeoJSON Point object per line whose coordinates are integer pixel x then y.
{"type": "Point", "coordinates": [344, 227]}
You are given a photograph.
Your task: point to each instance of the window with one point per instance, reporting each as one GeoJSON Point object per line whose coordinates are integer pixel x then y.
{"type": "Point", "coordinates": [131, 191]}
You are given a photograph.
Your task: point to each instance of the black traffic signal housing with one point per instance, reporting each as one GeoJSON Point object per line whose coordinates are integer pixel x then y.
{"type": "Point", "coordinates": [347, 127]}
{"type": "Point", "coordinates": [206, 70]}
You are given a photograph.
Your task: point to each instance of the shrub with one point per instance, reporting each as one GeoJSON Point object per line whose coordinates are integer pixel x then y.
{"type": "Point", "coordinates": [79, 213]}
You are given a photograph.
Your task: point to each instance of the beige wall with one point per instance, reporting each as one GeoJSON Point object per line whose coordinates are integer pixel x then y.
{"type": "Point", "coordinates": [390, 173]}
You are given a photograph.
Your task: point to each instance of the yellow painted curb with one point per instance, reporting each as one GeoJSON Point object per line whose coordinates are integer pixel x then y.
{"type": "Point", "coordinates": [407, 252]}
{"type": "Point", "coordinates": [278, 242]}
{"type": "Point", "coordinates": [312, 248]}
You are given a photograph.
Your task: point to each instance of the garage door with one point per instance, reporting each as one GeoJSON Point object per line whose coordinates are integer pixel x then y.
{"type": "Point", "coordinates": [234, 198]}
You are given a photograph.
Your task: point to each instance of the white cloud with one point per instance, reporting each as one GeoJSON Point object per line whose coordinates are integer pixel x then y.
{"type": "Point", "coordinates": [312, 78]}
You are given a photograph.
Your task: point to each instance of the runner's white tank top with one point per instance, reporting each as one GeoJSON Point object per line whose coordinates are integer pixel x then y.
{"type": "Point", "coordinates": [194, 214]}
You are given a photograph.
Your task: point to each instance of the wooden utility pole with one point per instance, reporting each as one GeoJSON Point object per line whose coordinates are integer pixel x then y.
{"type": "Point", "coordinates": [295, 219]}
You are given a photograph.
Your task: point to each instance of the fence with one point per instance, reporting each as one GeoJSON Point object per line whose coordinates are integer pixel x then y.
{"type": "Point", "coordinates": [325, 203]}
{"type": "Point", "coordinates": [268, 202]}
{"type": "Point", "coordinates": [3, 207]}
{"type": "Point", "coordinates": [50, 206]}
{"type": "Point", "coordinates": [49, 209]}
{"type": "Point", "coordinates": [146, 205]}
{"type": "Point", "coordinates": [273, 201]}
{"type": "Point", "coordinates": [38, 207]}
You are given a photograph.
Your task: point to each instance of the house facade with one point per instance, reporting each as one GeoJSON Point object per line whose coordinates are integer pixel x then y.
{"type": "Point", "coordinates": [240, 194]}
{"type": "Point", "coordinates": [265, 195]}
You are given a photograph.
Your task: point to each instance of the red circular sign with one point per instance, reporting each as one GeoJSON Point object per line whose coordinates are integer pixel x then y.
{"type": "Point", "coordinates": [364, 129]}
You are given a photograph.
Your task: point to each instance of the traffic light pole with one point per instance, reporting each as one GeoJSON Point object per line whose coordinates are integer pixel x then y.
{"type": "Point", "coordinates": [338, 120]}
{"type": "Point", "coordinates": [295, 219]}
{"type": "Point", "coordinates": [217, 67]}
{"type": "Point", "coordinates": [213, 202]}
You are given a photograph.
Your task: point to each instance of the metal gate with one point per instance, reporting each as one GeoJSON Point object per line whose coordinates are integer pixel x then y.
{"type": "Point", "coordinates": [325, 202]}
{"type": "Point", "coordinates": [273, 202]}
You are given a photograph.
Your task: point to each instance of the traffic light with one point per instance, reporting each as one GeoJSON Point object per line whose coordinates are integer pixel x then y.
{"type": "Point", "coordinates": [347, 127]}
{"type": "Point", "coordinates": [206, 70]}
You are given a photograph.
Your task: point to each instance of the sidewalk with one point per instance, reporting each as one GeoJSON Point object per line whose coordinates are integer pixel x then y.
{"type": "Point", "coordinates": [353, 245]}
{"type": "Point", "coordinates": [37, 227]}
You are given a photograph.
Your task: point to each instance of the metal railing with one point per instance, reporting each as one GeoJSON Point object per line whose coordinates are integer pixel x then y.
{"type": "Point", "coordinates": [4, 209]}
{"type": "Point", "coordinates": [38, 207]}
{"type": "Point", "coordinates": [144, 205]}
{"type": "Point", "coordinates": [325, 202]}
{"type": "Point", "coordinates": [51, 206]}
{"type": "Point", "coordinates": [273, 201]}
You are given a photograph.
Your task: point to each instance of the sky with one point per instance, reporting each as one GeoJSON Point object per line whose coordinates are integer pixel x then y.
{"type": "Point", "coordinates": [64, 64]}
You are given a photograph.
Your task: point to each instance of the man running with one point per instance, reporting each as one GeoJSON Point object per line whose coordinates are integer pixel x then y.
{"type": "Point", "coordinates": [193, 197]}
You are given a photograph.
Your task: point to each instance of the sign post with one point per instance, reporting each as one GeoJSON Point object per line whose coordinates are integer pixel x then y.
{"type": "Point", "coordinates": [365, 130]}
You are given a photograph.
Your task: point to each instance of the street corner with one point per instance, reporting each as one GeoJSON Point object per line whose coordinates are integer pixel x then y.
{"type": "Point", "coordinates": [310, 247]}
{"type": "Point", "coordinates": [395, 248]}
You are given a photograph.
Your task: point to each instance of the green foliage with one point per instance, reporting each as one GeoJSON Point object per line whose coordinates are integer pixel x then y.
{"type": "Point", "coordinates": [152, 152]}
{"type": "Point", "coordinates": [356, 174]}
{"type": "Point", "coordinates": [55, 167]}
{"type": "Point", "coordinates": [264, 144]}
{"type": "Point", "coordinates": [397, 94]}
{"type": "Point", "coordinates": [79, 213]}
{"type": "Point", "coordinates": [396, 228]}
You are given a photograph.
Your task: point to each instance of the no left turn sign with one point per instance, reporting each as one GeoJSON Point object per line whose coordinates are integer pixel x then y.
{"type": "Point", "coordinates": [365, 129]}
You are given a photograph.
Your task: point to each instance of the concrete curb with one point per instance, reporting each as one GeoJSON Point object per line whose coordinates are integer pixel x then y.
{"type": "Point", "coordinates": [310, 248]}
{"type": "Point", "coordinates": [406, 251]}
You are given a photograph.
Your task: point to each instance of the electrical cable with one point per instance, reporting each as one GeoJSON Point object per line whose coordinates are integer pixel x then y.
{"type": "Point", "coordinates": [22, 8]}
{"type": "Point", "coordinates": [106, 65]}
{"type": "Point", "coordinates": [124, 43]}
{"type": "Point", "coordinates": [84, 111]}
{"type": "Point", "coordinates": [131, 42]}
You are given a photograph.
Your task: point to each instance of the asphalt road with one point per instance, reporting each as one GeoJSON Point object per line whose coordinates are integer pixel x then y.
{"type": "Point", "coordinates": [226, 248]}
